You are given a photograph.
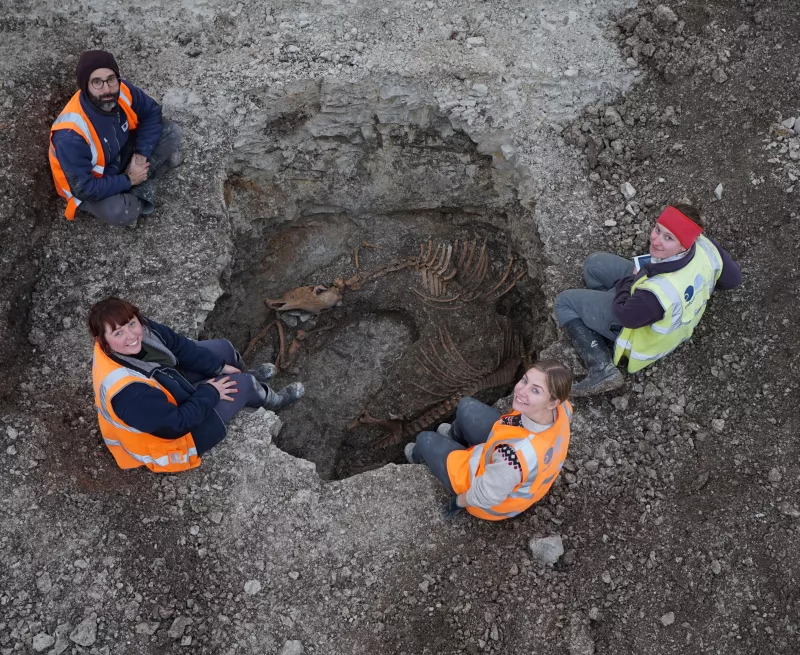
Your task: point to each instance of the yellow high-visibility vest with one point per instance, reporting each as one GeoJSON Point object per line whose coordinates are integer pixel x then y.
{"type": "Point", "coordinates": [683, 295]}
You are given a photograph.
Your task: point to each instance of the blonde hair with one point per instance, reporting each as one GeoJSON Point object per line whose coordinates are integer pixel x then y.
{"type": "Point", "coordinates": [559, 378]}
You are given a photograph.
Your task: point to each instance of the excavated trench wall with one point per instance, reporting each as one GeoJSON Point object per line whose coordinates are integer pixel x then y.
{"type": "Point", "coordinates": [330, 169]}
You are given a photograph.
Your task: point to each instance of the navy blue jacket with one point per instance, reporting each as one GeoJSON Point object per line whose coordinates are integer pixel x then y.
{"type": "Point", "coordinates": [642, 308]}
{"type": "Point", "coordinates": [75, 156]}
{"type": "Point", "coordinates": [147, 409]}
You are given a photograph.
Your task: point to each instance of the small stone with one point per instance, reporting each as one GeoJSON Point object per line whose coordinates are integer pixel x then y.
{"type": "Point", "coordinates": [718, 191]}
{"type": "Point", "coordinates": [179, 626]}
{"type": "Point", "coordinates": [294, 575]}
{"type": "Point", "coordinates": [145, 628]}
{"type": "Point", "coordinates": [787, 509]}
{"type": "Point", "coordinates": [476, 40]}
{"type": "Point", "coordinates": [620, 403]}
{"type": "Point", "coordinates": [627, 191]}
{"type": "Point", "coordinates": [43, 583]}
{"type": "Point", "coordinates": [591, 466]}
{"type": "Point", "coordinates": [547, 550]}
{"type": "Point", "coordinates": [292, 647]}
{"type": "Point", "coordinates": [789, 123]}
{"type": "Point", "coordinates": [668, 619]}
{"type": "Point", "coordinates": [719, 76]}
{"type": "Point", "coordinates": [774, 475]}
{"type": "Point", "coordinates": [605, 576]}
{"type": "Point", "coordinates": [716, 567]}
{"type": "Point", "coordinates": [12, 433]}
{"type": "Point", "coordinates": [215, 516]}
{"type": "Point", "coordinates": [85, 633]}
{"type": "Point", "coordinates": [718, 425]}
{"type": "Point", "coordinates": [423, 586]}
{"type": "Point", "coordinates": [252, 587]}
{"type": "Point", "coordinates": [663, 16]}
{"type": "Point", "coordinates": [480, 89]}
{"type": "Point", "coordinates": [42, 642]}
{"type": "Point", "coordinates": [610, 223]}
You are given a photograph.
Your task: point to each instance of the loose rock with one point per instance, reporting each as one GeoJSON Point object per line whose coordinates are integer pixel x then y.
{"type": "Point", "coordinates": [547, 550]}
{"type": "Point", "coordinates": [85, 633]}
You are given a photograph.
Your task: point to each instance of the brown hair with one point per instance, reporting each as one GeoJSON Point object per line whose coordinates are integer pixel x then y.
{"type": "Point", "coordinates": [559, 378]}
{"type": "Point", "coordinates": [113, 312]}
{"type": "Point", "coordinates": [690, 211]}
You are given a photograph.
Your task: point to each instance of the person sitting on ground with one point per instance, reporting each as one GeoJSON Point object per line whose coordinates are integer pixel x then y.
{"type": "Point", "coordinates": [110, 144]}
{"type": "Point", "coordinates": [647, 312]}
{"type": "Point", "coordinates": [498, 466]}
{"type": "Point", "coordinates": [162, 399]}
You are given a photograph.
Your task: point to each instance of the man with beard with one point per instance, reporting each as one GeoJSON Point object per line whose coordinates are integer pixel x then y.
{"type": "Point", "coordinates": [109, 145]}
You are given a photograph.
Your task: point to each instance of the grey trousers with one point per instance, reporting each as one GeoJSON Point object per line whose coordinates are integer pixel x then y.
{"type": "Point", "coordinates": [250, 393]}
{"type": "Point", "coordinates": [595, 304]}
{"type": "Point", "coordinates": [124, 208]}
{"type": "Point", "coordinates": [472, 426]}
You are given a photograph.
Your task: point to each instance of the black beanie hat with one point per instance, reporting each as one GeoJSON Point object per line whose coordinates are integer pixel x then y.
{"type": "Point", "coordinates": [89, 62]}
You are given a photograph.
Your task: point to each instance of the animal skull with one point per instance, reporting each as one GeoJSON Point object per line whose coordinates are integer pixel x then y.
{"type": "Point", "coordinates": [313, 299]}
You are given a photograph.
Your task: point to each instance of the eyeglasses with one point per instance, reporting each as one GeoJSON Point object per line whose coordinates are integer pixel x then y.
{"type": "Point", "coordinates": [97, 83]}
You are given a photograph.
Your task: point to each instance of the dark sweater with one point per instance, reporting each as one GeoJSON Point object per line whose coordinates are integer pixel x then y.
{"type": "Point", "coordinates": [642, 307]}
{"type": "Point", "coordinates": [147, 408]}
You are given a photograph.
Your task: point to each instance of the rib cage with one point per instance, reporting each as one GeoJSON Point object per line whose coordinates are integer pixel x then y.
{"type": "Point", "coordinates": [458, 380]}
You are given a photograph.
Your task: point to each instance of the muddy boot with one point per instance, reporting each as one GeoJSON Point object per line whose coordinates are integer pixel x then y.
{"type": "Point", "coordinates": [146, 193]}
{"type": "Point", "coordinates": [593, 350]}
{"type": "Point", "coordinates": [408, 451]}
{"type": "Point", "coordinates": [289, 395]}
{"type": "Point", "coordinates": [263, 372]}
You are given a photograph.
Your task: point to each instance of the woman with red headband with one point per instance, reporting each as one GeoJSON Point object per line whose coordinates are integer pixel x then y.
{"type": "Point", "coordinates": [646, 312]}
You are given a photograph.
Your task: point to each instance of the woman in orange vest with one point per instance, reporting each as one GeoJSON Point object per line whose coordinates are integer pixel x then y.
{"type": "Point", "coordinates": [498, 466]}
{"type": "Point", "coordinates": [162, 399]}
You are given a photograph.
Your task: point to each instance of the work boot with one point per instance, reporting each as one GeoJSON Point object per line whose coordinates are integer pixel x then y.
{"type": "Point", "coordinates": [444, 429]}
{"type": "Point", "coordinates": [263, 372]}
{"type": "Point", "coordinates": [289, 395]}
{"type": "Point", "coordinates": [593, 350]}
{"type": "Point", "coordinates": [146, 193]}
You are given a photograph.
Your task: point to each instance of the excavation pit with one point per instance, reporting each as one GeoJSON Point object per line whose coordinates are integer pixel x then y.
{"type": "Point", "coordinates": [419, 264]}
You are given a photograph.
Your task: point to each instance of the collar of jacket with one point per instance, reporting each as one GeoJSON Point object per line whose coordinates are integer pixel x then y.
{"type": "Point", "coordinates": [151, 339]}
{"type": "Point", "coordinates": [652, 270]}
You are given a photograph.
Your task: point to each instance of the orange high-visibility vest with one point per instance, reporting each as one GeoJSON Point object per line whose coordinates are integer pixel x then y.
{"type": "Point", "coordinates": [72, 117]}
{"type": "Point", "coordinates": [130, 447]}
{"type": "Point", "coordinates": [543, 452]}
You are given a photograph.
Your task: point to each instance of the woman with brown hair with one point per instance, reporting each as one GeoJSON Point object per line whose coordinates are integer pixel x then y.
{"type": "Point", "coordinates": [498, 466]}
{"type": "Point", "coordinates": [162, 399]}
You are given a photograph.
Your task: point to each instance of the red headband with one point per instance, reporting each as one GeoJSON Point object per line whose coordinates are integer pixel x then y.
{"type": "Point", "coordinates": [683, 227]}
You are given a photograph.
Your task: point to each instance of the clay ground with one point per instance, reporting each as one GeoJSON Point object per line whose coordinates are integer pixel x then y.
{"type": "Point", "coordinates": [680, 505]}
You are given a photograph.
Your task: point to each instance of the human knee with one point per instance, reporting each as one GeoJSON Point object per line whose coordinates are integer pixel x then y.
{"type": "Point", "coordinates": [124, 211]}
{"type": "Point", "coordinates": [590, 266]}
{"type": "Point", "coordinates": [172, 134]}
{"type": "Point", "coordinates": [425, 443]}
{"type": "Point", "coordinates": [563, 307]}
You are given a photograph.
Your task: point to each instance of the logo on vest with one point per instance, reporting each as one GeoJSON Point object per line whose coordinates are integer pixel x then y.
{"type": "Point", "coordinates": [689, 293]}
{"type": "Point", "coordinates": [124, 126]}
{"type": "Point", "coordinates": [548, 456]}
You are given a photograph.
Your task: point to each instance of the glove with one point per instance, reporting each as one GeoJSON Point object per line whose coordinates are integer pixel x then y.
{"type": "Point", "coordinates": [451, 509]}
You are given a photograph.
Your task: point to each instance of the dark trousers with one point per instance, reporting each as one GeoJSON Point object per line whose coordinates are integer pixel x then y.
{"type": "Point", "coordinates": [124, 208]}
{"type": "Point", "coordinates": [594, 305]}
{"type": "Point", "coordinates": [472, 426]}
{"type": "Point", "coordinates": [250, 392]}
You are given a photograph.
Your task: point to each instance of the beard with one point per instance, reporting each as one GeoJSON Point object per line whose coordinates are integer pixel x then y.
{"type": "Point", "coordinates": [106, 101]}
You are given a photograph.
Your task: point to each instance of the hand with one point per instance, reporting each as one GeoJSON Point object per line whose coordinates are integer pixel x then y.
{"type": "Point", "coordinates": [451, 509]}
{"type": "Point", "coordinates": [225, 386]}
{"type": "Point", "coordinates": [137, 170]}
{"type": "Point", "coordinates": [228, 370]}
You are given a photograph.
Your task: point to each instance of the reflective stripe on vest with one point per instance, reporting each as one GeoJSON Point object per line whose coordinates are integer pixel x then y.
{"type": "Point", "coordinates": [540, 455]}
{"type": "Point", "coordinates": [80, 122]}
{"type": "Point", "coordinates": [682, 309]}
{"type": "Point", "coordinates": [132, 447]}
{"type": "Point", "coordinates": [74, 118]}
